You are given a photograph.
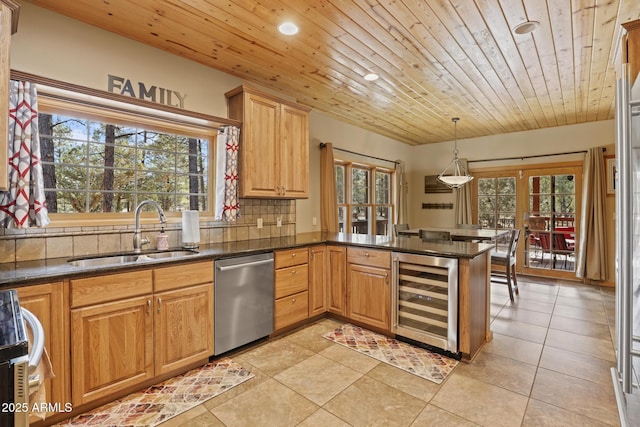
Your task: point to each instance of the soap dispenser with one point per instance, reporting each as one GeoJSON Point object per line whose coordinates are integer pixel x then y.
{"type": "Point", "coordinates": [162, 241]}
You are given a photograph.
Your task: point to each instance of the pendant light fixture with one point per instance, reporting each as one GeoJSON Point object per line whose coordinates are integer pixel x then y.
{"type": "Point", "coordinates": [459, 175]}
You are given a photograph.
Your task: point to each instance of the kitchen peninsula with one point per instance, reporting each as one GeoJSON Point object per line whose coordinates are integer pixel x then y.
{"type": "Point", "coordinates": [473, 270]}
{"type": "Point", "coordinates": [349, 277]}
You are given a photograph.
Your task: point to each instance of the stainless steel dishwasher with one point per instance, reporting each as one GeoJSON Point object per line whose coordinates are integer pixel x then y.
{"type": "Point", "coordinates": [243, 300]}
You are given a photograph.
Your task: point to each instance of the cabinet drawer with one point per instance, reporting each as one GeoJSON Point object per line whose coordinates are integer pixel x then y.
{"type": "Point", "coordinates": [291, 257]}
{"type": "Point", "coordinates": [292, 309]}
{"type": "Point", "coordinates": [180, 276]}
{"type": "Point", "coordinates": [371, 257]}
{"type": "Point", "coordinates": [291, 280]}
{"type": "Point", "coordinates": [110, 287]}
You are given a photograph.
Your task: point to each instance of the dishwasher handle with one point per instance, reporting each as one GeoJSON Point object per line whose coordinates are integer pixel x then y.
{"type": "Point", "coordinates": [243, 265]}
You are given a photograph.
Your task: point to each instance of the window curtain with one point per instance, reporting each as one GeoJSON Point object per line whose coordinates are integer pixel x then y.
{"type": "Point", "coordinates": [463, 213]}
{"type": "Point", "coordinates": [592, 250]}
{"type": "Point", "coordinates": [328, 191]}
{"type": "Point", "coordinates": [24, 204]}
{"type": "Point", "coordinates": [227, 206]}
{"type": "Point", "coordinates": [402, 192]}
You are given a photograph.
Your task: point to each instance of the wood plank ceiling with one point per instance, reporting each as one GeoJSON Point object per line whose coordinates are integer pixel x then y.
{"type": "Point", "coordinates": [436, 59]}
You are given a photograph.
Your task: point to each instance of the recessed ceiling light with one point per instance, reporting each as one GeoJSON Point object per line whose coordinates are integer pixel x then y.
{"type": "Point", "coordinates": [371, 77]}
{"type": "Point", "coordinates": [526, 27]}
{"type": "Point", "coordinates": [288, 28]}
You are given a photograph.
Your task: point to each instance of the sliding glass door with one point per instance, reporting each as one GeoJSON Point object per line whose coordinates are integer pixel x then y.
{"type": "Point", "coordinates": [550, 220]}
{"type": "Point", "coordinates": [543, 201]}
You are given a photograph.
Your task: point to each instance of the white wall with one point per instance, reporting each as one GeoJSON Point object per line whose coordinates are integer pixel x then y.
{"type": "Point", "coordinates": [54, 46]}
{"type": "Point", "coordinates": [323, 128]}
{"type": "Point", "coordinates": [431, 159]}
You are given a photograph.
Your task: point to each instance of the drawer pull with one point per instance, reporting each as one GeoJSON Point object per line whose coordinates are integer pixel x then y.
{"type": "Point", "coordinates": [293, 254]}
{"type": "Point", "coordinates": [294, 271]}
{"type": "Point", "coordinates": [366, 254]}
{"type": "Point", "coordinates": [293, 300]}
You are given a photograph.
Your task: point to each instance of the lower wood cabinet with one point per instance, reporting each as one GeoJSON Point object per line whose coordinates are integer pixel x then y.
{"type": "Point", "coordinates": [291, 309]}
{"type": "Point", "coordinates": [291, 287]}
{"type": "Point", "coordinates": [111, 347]}
{"type": "Point", "coordinates": [183, 325]}
{"type": "Point", "coordinates": [161, 325]}
{"type": "Point", "coordinates": [336, 280]}
{"type": "Point", "coordinates": [317, 280]}
{"type": "Point", "coordinates": [47, 303]}
{"type": "Point", "coordinates": [369, 287]}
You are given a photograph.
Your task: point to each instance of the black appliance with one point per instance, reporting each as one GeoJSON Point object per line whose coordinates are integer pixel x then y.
{"type": "Point", "coordinates": [14, 362]}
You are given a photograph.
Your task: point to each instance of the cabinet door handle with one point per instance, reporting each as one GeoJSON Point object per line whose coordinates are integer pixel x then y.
{"type": "Point", "coordinates": [159, 304]}
{"type": "Point", "coordinates": [148, 306]}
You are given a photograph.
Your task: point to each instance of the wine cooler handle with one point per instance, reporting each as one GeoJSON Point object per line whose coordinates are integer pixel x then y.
{"type": "Point", "coordinates": [395, 265]}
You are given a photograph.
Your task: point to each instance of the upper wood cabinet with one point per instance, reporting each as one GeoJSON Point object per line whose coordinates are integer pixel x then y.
{"type": "Point", "coordinates": [274, 149]}
{"type": "Point", "coordinates": [631, 47]}
{"type": "Point", "coordinates": [8, 25]}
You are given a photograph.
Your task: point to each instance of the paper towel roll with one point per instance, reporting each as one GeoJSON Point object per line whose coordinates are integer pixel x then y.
{"type": "Point", "coordinates": [190, 229]}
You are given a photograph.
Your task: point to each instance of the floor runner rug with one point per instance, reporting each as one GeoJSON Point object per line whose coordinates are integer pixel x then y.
{"type": "Point", "coordinates": [418, 361]}
{"type": "Point", "coordinates": [160, 402]}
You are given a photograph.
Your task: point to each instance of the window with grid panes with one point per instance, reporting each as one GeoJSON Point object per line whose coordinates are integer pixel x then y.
{"type": "Point", "coordinates": [497, 202]}
{"type": "Point", "coordinates": [100, 160]}
{"type": "Point", "coordinates": [364, 198]}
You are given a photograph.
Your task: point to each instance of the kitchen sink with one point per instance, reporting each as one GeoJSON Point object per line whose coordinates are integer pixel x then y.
{"type": "Point", "coordinates": [129, 258]}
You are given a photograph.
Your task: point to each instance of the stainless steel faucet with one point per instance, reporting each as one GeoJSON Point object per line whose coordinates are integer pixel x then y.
{"type": "Point", "coordinates": [138, 240]}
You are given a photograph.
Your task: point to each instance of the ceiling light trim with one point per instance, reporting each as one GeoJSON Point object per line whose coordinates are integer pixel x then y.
{"type": "Point", "coordinates": [526, 27]}
{"type": "Point", "coordinates": [288, 28]}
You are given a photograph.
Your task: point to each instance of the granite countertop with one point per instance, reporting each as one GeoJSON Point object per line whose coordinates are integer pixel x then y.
{"type": "Point", "coordinates": [22, 273]}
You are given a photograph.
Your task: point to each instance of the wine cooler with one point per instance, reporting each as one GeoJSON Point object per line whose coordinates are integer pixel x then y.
{"type": "Point", "coordinates": [425, 299]}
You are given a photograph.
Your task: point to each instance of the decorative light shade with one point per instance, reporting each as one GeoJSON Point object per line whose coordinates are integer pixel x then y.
{"type": "Point", "coordinates": [458, 176]}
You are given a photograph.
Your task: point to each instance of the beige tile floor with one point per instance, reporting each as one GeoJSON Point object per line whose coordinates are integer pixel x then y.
{"type": "Point", "coordinates": [548, 365]}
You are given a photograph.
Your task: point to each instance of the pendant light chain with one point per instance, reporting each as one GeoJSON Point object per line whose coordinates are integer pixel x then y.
{"type": "Point", "coordinates": [460, 176]}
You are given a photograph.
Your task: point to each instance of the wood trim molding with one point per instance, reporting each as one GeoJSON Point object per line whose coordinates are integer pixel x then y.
{"type": "Point", "coordinates": [632, 25]}
{"type": "Point", "coordinates": [254, 91]}
{"type": "Point", "coordinates": [14, 6]}
{"type": "Point", "coordinates": [511, 169]}
{"type": "Point", "coordinates": [45, 81]}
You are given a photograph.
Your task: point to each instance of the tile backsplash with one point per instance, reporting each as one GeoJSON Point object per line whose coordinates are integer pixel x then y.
{"type": "Point", "coordinates": [52, 242]}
